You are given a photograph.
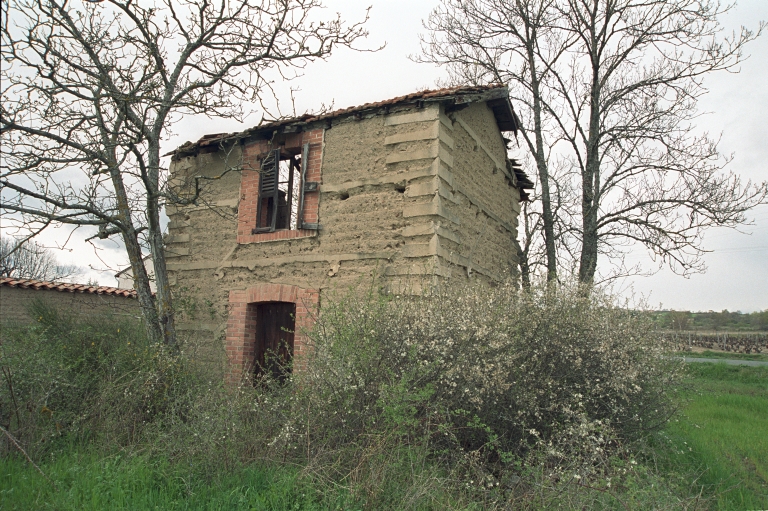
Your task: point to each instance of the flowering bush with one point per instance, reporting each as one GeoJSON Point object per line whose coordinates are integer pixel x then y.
{"type": "Point", "coordinates": [487, 374]}
{"type": "Point", "coordinates": [490, 391]}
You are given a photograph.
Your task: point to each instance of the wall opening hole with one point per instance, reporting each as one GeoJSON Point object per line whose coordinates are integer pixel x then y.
{"type": "Point", "coordinates": [344, 195]}
{"type": "Point", "coordinates": [273, 349]}
{"type": "Point", "coordinates": [279, 192]}
{"type": "Point", "coordinates": [400, 187]}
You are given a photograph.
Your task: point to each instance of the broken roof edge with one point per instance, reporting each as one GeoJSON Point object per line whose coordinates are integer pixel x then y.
{"type": "Point", "coordinates": [495, 95]}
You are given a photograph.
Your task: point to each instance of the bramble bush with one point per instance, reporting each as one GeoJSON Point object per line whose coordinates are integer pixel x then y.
{"type": "Point", "coordinates": [92, 379]}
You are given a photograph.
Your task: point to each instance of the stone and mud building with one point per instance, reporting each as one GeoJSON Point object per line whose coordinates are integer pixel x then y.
{"type": "Point", "coordinates": [409, 191]}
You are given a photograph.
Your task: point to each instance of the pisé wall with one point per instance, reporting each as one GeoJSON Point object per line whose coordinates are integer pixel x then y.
{"type": "Point", "coordinates": [409, 195]}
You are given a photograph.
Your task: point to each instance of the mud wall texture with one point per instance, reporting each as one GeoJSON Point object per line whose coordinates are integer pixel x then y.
{"type": "Point", "coordinates": [15, 303]}
{"type": "Point", "coordinates": [409, 196]}
{"type": "Point", "coordinates": [481, 198]}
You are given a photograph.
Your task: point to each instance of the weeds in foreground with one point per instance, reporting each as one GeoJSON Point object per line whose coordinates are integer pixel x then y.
{"type": "Point", "coordinates": [482, 398]}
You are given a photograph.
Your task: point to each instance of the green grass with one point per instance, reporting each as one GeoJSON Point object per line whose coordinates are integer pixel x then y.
{"type": "Point", "coordinates": [717, 447]}
{"type": "Point", "coordinates": [88, 482]}
{"type": "Point", "coordinates": [722, 435]}
{"type": "Point", "coordinates": [724, 354]}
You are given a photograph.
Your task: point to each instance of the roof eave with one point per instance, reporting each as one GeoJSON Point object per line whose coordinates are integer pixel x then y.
{"type": "Point", "coordinates": [496, 97]}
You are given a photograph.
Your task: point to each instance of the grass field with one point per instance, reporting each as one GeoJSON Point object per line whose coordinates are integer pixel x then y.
{"type": "Point", "coordinates": [717, 448]}
{"type": "Point", "coordinates": [722, 435]}
{"type": "Point", "coordinates": [88, 482]}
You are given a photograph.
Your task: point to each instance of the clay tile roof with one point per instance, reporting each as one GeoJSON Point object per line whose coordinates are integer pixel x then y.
{"type": "Point", "coordinates": [70, 288]}
{"type": "Point", "coordinates": [497, 95]}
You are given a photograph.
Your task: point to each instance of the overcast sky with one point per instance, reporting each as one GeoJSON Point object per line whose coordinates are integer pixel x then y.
{"type": "Point", "coordinates": [737, 274]}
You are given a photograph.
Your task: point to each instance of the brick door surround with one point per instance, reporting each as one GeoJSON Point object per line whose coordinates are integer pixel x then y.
{"type": "Point", "coordinates": [241, 324]}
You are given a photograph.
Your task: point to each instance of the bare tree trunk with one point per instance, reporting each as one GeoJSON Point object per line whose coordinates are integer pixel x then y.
{"type": "Point", "coordinates": [590, 186]}
{"type": "Point", "coordinates": [164, 300]}
{"type": "Point", "coordinates": [543, 171]}
{"type": "Point", "coordinates": [141, 284]}
{"type": "Point", "coordinates": [135, 257]}
{"type": "Point", "coordinates": [524, 257]}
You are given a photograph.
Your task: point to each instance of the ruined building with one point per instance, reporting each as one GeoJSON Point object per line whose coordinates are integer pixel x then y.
{"type": "Point", "coordinates": [412, 190]}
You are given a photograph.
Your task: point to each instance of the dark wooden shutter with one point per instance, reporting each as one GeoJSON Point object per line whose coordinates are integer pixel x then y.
{"type": "Point", "coordinates": [268, 189]}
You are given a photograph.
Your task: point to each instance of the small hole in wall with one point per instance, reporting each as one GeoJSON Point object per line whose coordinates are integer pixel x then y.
{"type": "Point", "coordinates": [344, 195]}
{"type": "Point", "coordinates": [400, 187]}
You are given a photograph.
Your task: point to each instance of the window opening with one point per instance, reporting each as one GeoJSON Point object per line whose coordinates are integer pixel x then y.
{"type": "Point", "coordinates": [289, 186]}
{"type": "Point", "coordinates": [279, 192]}
{"type": "Point", "coordinates": [275, 326]}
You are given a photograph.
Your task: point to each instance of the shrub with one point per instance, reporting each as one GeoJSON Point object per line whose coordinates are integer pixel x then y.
{"type": "Point", "coordinates": [456, 397]}
{"type": "Point", "coordinates": [488, 377]}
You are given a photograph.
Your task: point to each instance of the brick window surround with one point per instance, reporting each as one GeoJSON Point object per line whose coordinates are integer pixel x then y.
{"type": "Point", "coordinates": [253, 152]}
{"type": "Point", "coordinates": [241, 325]}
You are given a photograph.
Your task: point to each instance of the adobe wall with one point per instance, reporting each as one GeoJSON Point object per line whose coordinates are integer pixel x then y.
{"type": "Point", "coordinates": [483, 201]}
{"type": "Point", "coordinates": [366, 170]}
{"type": "Point", "coordinates": [15, 303]}
{"type": "Point", "coordinates": [403, 195]}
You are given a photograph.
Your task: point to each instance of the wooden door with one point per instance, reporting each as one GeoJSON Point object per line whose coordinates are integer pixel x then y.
{"type": "Point", "coordinates": [275, 325]}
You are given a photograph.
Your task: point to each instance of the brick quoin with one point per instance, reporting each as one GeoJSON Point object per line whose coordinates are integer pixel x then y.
{"type": "Point", "coordinates": [253, 152]}
{"type": "Point", "coordinates": [240, 343]}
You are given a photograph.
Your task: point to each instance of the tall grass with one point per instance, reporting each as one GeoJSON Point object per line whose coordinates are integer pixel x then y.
{"type": "Point", "coordinates": [85, 380]}
{"type": "Point", "coordinates": [124, 482]}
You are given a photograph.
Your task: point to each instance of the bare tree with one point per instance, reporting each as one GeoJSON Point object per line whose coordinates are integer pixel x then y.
{"type": "Point", "coordinates": [534, 260]}
{"type": "Point", "coordinates": [476, 53]}
{"type": "Point", "coordinates": [90, 91]}
{"type": "Point", "coordinates": [29, 260]}
{"type": "Point", "coordinates": [610, 88]}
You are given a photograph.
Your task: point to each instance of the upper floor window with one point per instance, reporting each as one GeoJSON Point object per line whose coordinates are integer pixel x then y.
{"type": "Point", "coordinates": [280, 188]}
{"type": "Point", "coordinates": [281, 195]}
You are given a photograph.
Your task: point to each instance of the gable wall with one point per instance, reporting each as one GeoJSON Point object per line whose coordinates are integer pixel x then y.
{"type": "Point", "coordinates": [483, 198]}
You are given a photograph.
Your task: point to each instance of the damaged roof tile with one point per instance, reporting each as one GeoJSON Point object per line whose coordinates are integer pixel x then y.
{"type": "Point", "coordinates": [497, 96]}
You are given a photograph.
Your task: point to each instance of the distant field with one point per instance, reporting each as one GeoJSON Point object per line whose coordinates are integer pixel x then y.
{"type": "Point", "coordinates": [760, 357]}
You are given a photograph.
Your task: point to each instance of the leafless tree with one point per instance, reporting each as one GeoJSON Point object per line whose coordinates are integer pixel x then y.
{"type": "Point", "coordinates": [91, 90]}
{"type": "Point", "coordinates": [29, 260]}
{"type": "Point", "coordinates": [610, 88]}
{"type": "Point", "coordinates": [534, 251]}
